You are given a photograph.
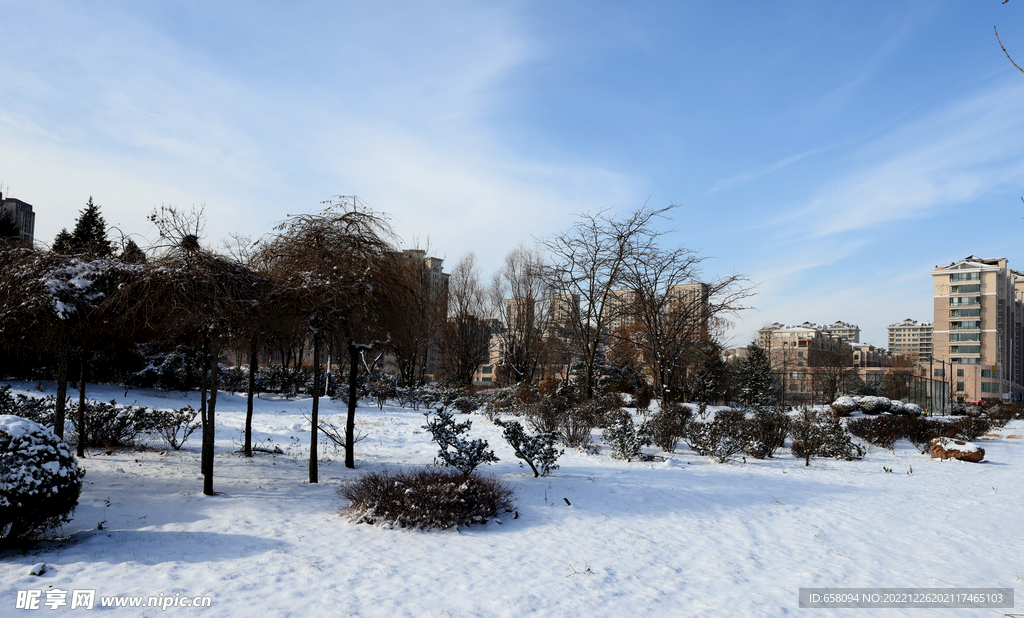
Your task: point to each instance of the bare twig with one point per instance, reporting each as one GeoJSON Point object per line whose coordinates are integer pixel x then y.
{"type": "Point", "coordinates": [1004, 49]}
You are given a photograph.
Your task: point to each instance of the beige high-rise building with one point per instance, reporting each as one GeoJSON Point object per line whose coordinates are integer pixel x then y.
{"type": "Point", "coordinates": [977, 332]}
{"type": "Point", "coordinates": [911, 340]}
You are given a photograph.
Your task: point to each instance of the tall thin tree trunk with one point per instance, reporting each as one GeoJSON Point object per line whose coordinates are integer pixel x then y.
{"type": "Point", "coordinates": [254, 360]}
{"type": "Point", "coordinates": [62, 382]}
{"type": "Point", "coordinates": [82, 430]}
{"type": "Point", "coordinates": [353, 393]}
{"type": "Point", "coordinates": [203, 382]}
{"type": "Point", "coordinates": [211, 408]}
{"type": "Point", "coordinates": [313, 472]}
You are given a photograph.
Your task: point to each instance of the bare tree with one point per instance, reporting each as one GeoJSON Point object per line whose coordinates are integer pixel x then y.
{"type": "Point", "coordinates": [831, 363]}
{"type": "Point", "coordinates": [333, 268]}
{"type": "Point", "coordinates": [465, 337]}
{"type": "Point", "coordinates": [589, 263]}
{"type": "Point", "coordinates": [520, 298]}
{"type": "Point", "coordinates": [189, 291]}
{"type": "Point", "coordinates": [675, 309]}
{"type": "Point", "coordinates": [415, 313]}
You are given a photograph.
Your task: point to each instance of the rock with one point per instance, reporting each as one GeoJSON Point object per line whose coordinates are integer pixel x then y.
{"type": "Point", "coordinates": [37, 569]}
{"type": "Point", "coordinates": [947, 448]}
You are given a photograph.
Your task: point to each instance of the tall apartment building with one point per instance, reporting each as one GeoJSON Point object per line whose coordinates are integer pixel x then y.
{"type": "Point", "coordinates": [911, 340]}
{"type": "Point", "coordinates": [21, 213]}
{"type": "Point", "coordinates": [619, 309]}
{"type": "Point", "coordinates": [977, 334]}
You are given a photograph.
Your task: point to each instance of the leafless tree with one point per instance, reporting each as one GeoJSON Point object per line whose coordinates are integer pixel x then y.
{"type": "Point", "coordinates": [520, 300]}
{"type": "Point", "coordinates": [675, 308]}
{"type": "Point", "coordinates": [832, 367]}
{"type": "Point", "coordinates": [465, 337]}
{"type": "Point", "coordinates": [334, 268]}
{"type": "Point", "coordinates": [415, 313]}
{"type": "Point", "coordinates": [189, 291]}
{"type": "Point", "coordinates": [589, 262]}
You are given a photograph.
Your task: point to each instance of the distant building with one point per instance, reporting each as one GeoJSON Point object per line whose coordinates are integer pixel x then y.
{"type": "Point", "coordinates": [849, 333]}
{"type": "Point", "coordinates": [979, 329]}
{"type": "Point", "coordinates": [797, 353]}
{"type": "Point", "coordinates": [912, 340]}
{"type": "Point", "coordinates": [24, 218]}
{"type": "Point", "coordinates": [867, 355]}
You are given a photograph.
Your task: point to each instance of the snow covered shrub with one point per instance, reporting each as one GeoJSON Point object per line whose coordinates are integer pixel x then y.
{"type": "Point", "coordinates": [970, 428]}
{"type": "Point", "coordinates": [964, 409]}
{"type": "Point", "coordinates": [577, 422]}
{"type": "Point", "coordinates": [897, 407]}
{"type": "Point", "coordinates": [544, 414]}
{"type": "Point", "coordinates": [40, 480]}
{"type": "Point", "coordinates": [538, 450]}
{"type": "Point", "coordinates": [874, 405]}
{"type": "Point", "coordinates": [499, 403]}
{"type": "Point", "coordinates": [766, 433]}
{"type": "Point", "coordinates": [1002, 413]}
{"type": "Point", "coordinates": [882, 431]}
{"type": "Point", "coordinates": [110, 424]}
{"type": "Point", "coordinates": [642, 397]}
{"type": "Point", "coordinates": [425, 499]}
{"type": "Point", "coordinates": [36, 409]}
{"type": "Point", "coordinates": [466, 403]}
{"type": "Point", "coordinates": [817, 434]}
{"type": "Point", "coordinates": [913, 409]}
{"type": "Point", "coordinates": [382, 386]}
{"type": "Point", "coordinates": [721, 438]}
{"type": "Point", "coordinates": [178, 369]}
{"type": "Point", "coordinates": [464, 455]}
{"type": "Point", "coordinates": [920, 431]}
{"type": "Point", "coordinates": [844, 406]}
{"type": "Point", "coordinates": [666, 426]}
{"type": "Point", "coordinates": [233, 379]}
{"type": "Point", "coordinates": [622, 436]}
{"type": "Point", "coordinates": [175, 426]}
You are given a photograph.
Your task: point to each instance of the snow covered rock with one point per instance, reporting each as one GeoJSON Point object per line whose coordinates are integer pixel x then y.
{"type": "Point", "coordinates": [40, 480]}
{"type": "Point", "coordinates": [947, 448]}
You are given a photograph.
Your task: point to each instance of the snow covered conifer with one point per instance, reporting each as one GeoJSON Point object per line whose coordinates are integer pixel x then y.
{"type": "Point", "coordinates": [40, 480]}
{"type": "Point", "coordinates": [538, 450]}
{"type": "Point", "coordinates": [464, 455]}
{"type": "Point", "coordinates": [757, 383]}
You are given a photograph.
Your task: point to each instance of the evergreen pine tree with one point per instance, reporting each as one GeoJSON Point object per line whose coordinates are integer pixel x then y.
{"type": "Point", "coordinates": [756, 381]}
{"type": "Point", "coordinates": [62, 243]}
{"type": "Point", "coordinates": [132, 253]}
{"type": "Point", "coordinates": [90, 233]}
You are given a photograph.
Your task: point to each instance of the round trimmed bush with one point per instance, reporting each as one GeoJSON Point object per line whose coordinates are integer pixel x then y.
{"type": "Point", "coordinates": [844, 406]}
{"type": "Point", "coordinates": [874, 405]}
{"type": "Point", "coordinates": [40, 480]}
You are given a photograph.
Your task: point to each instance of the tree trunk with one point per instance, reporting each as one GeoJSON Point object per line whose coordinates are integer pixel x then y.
{"type": "Point", "coordinates": [211, 408]}
{"type": "Point", "coordinates": [253, 366]}
{"type": "Point", "coordinates": [203, 382]}
{"type": "Point", "coordinates": [350, 421]}
{"type": "Point", "coordinates": [62, 382]}
{"type": "Point", "coordinates": [313, 472]}
{"type": "Point", "coordinates": [82, 433]}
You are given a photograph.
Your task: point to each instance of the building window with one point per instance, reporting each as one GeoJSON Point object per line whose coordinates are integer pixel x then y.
{"type": "Point", "coordinates": [960, 387]}
{"type": "Point", "coordinates": [959, 373]}
{"type": "Point", "coordinates": [940, 373]}
{"type": "Point", "coordinates": [990, 387]}
{"type": "Point", "coordinates": [990, 373]}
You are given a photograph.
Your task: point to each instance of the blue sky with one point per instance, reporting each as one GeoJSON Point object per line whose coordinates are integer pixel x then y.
{"type": "Point", "coordinates": [834, 152]}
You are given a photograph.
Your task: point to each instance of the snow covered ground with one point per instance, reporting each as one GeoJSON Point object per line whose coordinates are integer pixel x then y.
{"type": "Point", "coordinates": [682, 537]}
